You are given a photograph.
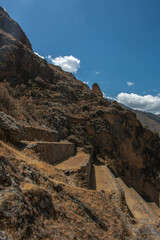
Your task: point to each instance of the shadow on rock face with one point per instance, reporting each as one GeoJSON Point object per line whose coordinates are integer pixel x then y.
{"type": "Point", "coordinates": [41, 200]}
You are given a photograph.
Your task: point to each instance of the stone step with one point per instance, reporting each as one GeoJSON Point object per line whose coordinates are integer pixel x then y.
{"type": "Point", "coordinates": [74, 162]}
{"type": "Point", "coordinates": [145, 204]}
{"type": "Point", "coordinates": [139, 208]}
{"type": "Point", "coordinates": [103, 180]}
{"type": "Point", "coordinates": [39, 134]}
{"type": "Point", "coordinates": [80, 162]}
{"type": "Point", "coordinates": [154, 208]}
{"type": "Point", "coordinates": [51, 152]}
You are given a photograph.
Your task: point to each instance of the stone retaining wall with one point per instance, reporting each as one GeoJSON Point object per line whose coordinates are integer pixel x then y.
{"type": "Point", "coordinates": [39, 134]}
{"type": "Point", "coordinates": [52, 152]}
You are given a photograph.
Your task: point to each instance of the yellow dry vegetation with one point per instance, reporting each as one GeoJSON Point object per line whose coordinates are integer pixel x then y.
{"type": "Point", "coordinates": [28, 186]}
{"type": "Point", "coordinates": [32, 160]}
{"type": "Point", "coordinates": [8, 150]}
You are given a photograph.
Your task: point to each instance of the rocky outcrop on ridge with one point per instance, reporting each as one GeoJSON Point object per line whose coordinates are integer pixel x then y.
{"type": "Point", "coordinates": [96, 89]}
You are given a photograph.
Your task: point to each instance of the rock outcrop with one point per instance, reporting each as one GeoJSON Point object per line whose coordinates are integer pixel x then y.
{"type": "Point", "coordinates": [96, 89]}
{"type": "Point", "coordinates": [10, 130]}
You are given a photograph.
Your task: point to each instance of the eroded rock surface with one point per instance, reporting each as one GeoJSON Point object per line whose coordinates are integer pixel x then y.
{"type": "Point", "coordinates": [10, 129]}
{"type": "Point", "coordinates": [40, 134]}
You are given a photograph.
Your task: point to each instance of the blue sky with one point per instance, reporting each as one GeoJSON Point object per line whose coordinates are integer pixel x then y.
{"type": "Point", "coordinates": [115, 43]}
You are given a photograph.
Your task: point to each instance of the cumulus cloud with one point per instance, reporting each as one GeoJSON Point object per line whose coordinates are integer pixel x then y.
{"type": "Point", "coordinates": [148, 103]}
{"type": "Point", "coordinates": [130, 83]}
{"type": "Point", "coordinates": [67, 63]}
{"type": "Point", "coordinates": [39, 55]}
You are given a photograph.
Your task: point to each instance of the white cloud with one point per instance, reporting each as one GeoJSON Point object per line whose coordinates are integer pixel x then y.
{"type": "Point", "coordinates": [148, 103]}
{"type": "Point", "coordinates": [86, 82]}
{"type": "Point", "coordinates": [108, 97]}
{"type": "Point", "coordinates": [104, 95]}
{"type": "Point", "coordinates": [130, 83]}
{"type": "Point", "coordinates": [39, 55]}
{"type": "Point", "coordinates": [4, 9]}
{"type": "Point", "coordinates": [67, 63]}
{"type": "Point", "coordinates": [111, 98]}
{"type": "Point", "coordinates": [49, 57]}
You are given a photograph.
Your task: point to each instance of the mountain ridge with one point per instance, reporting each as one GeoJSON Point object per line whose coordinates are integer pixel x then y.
{"type": "Point", "coordinates": [150, 120]}
{"type": "Point", "coordinates": [63, 199]}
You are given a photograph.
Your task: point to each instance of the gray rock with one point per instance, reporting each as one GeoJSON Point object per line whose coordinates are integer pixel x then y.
{"type": "Point", "coordinates": [9, 129]}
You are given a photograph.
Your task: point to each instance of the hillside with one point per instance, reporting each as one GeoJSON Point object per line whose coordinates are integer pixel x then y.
{"type": "Point", "coordinates": [149, 120]}
{"type": "Point", "coordinates": [73, 165]}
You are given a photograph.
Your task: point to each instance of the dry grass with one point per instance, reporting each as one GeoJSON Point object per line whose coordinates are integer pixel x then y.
{"type": "Point", "coordinates": [75, 162]}
{"type": "Point", "coordinates": [80, 211]}
{"type": "Point", "coordinates": [28, 186]}
{"type": "Point", "coordinates": [8, 150]}
{"type": "Point", "coordinates": [32, 160]}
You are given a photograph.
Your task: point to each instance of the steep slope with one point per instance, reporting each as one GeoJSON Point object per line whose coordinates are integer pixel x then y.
{"type": "Point", "coordinates": [149, 120]}
{"type": "Point", "coordinates": [33, 205]}
{"type": "Point", "coordinates": [41, 95]}
{"type": "Point", "coordinates": [151, 115]}
{"type": "Point", "coordinates": [11, 28]}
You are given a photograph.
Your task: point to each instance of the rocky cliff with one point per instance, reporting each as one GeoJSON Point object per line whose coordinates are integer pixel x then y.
{"type": "Point", "coordinates": [46, 199]}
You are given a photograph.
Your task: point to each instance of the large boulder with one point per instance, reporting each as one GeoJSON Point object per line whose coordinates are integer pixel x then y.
{"type": "Point", "coordinates": [10, 130]}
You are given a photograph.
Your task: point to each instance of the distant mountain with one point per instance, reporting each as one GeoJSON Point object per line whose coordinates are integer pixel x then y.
{"type": "Point", "coordinates": [150, 115]}
{"type": "Point", "coordinates": [150, 120]}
